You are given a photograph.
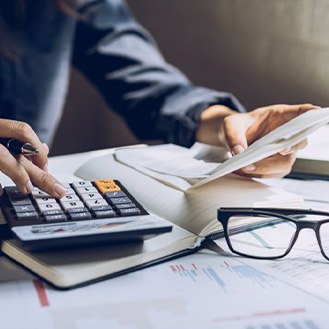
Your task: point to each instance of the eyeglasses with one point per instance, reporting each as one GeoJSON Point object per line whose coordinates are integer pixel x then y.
{"type": "Point", "coordinates": [270, 233]}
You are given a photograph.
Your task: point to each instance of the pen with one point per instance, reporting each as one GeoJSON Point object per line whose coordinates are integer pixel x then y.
{"type": "Point", "coordinates": [17, 147]}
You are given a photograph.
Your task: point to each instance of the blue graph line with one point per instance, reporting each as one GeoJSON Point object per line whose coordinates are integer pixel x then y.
{"type": "Point", "coordinates": [216, 277]}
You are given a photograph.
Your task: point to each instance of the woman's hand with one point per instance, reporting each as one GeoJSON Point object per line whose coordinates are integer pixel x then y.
{"type": "Point", "coordinates": [27, 172]}
{"type": "Point", "coordinates": [221, 126]}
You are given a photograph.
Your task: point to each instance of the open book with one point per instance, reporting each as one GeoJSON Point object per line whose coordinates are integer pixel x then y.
{"type": "Point", "coordinates": [192, 211]}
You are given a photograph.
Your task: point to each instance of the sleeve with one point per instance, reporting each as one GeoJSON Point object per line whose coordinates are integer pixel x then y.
{"type": "Point", "coordinates": [123, 62]}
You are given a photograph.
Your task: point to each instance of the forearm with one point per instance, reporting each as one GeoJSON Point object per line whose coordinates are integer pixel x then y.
{"type": "Point", "coordinates": [120, 58]}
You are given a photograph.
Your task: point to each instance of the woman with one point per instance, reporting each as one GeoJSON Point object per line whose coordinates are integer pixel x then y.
{"type": "Point", "coordinates": [40, 39]}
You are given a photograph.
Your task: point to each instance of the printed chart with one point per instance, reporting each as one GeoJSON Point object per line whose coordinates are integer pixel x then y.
{"type": "Point", "coordinates": [202, 290]}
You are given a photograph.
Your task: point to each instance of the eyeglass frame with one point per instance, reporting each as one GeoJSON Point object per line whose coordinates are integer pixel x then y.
{"type": "Point", "coordinates": [224, 214]}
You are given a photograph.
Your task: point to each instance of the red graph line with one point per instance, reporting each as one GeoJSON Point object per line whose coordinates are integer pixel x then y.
{"type": "Point", "coordinates": [226, 263]}
{"type": "Point", "coordinates": [41, 292]}
{"type": "Point", "coordinates": [261, 314]}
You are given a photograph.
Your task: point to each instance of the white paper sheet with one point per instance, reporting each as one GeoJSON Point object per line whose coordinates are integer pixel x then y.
{"type": "Point", "coordinates": [167, 161]}
{"type": "Point", "coordinates": [199, 291]}
{"type": "Point", "coordinates": [304, 267]}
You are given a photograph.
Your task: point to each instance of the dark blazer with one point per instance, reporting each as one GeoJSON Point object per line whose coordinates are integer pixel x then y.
{"type": "Point", "coordinates": [121, 60]}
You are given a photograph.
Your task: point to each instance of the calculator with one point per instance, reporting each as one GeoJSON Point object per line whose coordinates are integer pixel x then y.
{"type": "Point", "coordinates": [91, 212]}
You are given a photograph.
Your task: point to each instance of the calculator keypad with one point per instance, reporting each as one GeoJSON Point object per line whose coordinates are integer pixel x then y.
{"type": "Point", "coordinates": [84, 200]}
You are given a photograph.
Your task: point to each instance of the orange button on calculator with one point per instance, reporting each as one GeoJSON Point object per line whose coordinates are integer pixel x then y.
{"type": "Point", "coordinates": [107, 185]}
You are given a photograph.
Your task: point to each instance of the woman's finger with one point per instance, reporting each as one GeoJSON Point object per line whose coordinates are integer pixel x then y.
{"type": "Point", "coordinates": [275, 166]}
{"type": "Point", "coordinates": [235, 127]}
{"type": "Point", "coordinates": [42, 179]}
{"type": "Point", "coordinates": [10, 167]}
{"type": "Point", "coordinates": [23, 132]}
{"type": "Point", "coordinates": [301, 145]}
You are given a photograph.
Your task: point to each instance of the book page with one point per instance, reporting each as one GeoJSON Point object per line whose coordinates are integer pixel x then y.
{"type": "Point", "coordinates": [193, 210]}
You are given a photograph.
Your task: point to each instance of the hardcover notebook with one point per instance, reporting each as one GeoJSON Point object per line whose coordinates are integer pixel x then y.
{"type": "Point", "coordinates": [190, 204]}
{"type": "Point", "coordinates": [313, 161]}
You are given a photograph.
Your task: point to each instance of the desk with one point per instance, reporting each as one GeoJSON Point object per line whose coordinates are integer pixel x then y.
{"type": "Point", "coordinates": [203, 290]}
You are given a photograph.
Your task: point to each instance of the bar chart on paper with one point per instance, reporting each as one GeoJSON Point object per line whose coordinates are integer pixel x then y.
{"type": "Point", "coordinates": [224, 274]}
{"type": "Point", "coordinates": [304, 267]}
{"type": "Point", "coordinates": [234, 280]}
{"type": "Point", "coordinates": [196, 291]}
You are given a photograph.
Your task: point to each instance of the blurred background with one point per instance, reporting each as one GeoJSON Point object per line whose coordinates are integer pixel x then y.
{"type": "Point", "coordinates": [263, 51]}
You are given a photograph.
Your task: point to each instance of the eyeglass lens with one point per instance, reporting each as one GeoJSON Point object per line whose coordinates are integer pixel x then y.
{"type": "Point", "coordinates": [267, 237]}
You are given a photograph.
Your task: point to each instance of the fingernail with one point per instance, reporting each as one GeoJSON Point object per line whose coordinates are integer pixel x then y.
{"type": "Point", "coordinates": [45, 168]}
{"type": "Point", "coordinates": [237, 149]}
{"type": "Point", "coordinates": [59, 189]}
{"type": "Point", "coordinates": [29, 187]}
{"type": "Point", "coordinates": [250, 168]}
{"type": "Point", "coordinates": [228, 155]}
{"type": "Point", "coordinates": [286, 151]}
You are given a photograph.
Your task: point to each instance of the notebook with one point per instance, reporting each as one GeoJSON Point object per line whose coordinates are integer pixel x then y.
{"type": "Point", "coordinates": [313, 161]}
{"type": "Point", "coordinates": [189, 203]}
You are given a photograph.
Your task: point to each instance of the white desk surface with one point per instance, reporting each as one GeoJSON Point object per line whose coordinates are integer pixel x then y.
{"type": "Point", "coordinates": [203, 290]}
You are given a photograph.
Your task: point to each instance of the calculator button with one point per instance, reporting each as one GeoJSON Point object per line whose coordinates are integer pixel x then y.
{"type": "Point", "coordinates": [44, 199]}
{"type": "Point", "coordinates": [96, 203]}
{"type": "Point", "coordinates": [105, 213]}
{"type": "Point", "coordinates": [107, 185]}
{"type": "Point", "coordinates": [27, 215]}
{"type": "Point", "coordinates": [55, 218]}
{"type": "Point", "coordinates": [129, 211]}
{"type": "Point", "coordinates": [105, 182]}
{"type": "Point", "coordinates": [11, 190]}
{"type": "Point", "coordinates": [67, 205]}
{"type": "Point", "coordinates": [81, 183]}
{"type": "Point", "coordinates": [117, 194]}
{"type": "Point", "coordinates": [15, 194]}
{"type": "Point", "coordinates": [36, 192]}
{"type": "Point", "coordinates": [48, 206]}
{"type": "Point", "coordinates": [78, 209]}
{"type": "Point", "coordinates": [91, 196]}
{"type": "Point", "coordinates": [21, 202]}
{"type": "Point", "coordinates": [125, 205]}
{"type": "Point", "coordinates": [86, 189]}
{"type": "Point", "coordinates": [53, 212]}
{"type": "Point", "coordinates": [116, 201]}
{"type": "Point", "coordinates": [109, 188]}
{"type": "Point", "coordinates": [100, 208]}
{"type": "Point", "coordinates": [69, 191]}
{"type": "Point", "coordinates": [80, 216]}
{"type": "Point", "coordinates": [70, 197]}
{"type": "Point", "coordinates": [24, 208]}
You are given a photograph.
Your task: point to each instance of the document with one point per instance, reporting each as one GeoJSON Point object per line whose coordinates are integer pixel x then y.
{"type": "Point", "coordinates": [304, 267]}
{"type": "Point", "coordinates": [186, 169]}
{"type": "Point", "coordinates": [198, 291]}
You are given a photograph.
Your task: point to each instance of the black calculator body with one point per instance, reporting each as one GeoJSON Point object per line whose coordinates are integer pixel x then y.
{"type": "Point", "coordinates": [91, 212]}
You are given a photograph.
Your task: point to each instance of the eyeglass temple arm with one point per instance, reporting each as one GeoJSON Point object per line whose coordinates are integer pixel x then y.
{"type": "Point", "coordinates": [282, 211]}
